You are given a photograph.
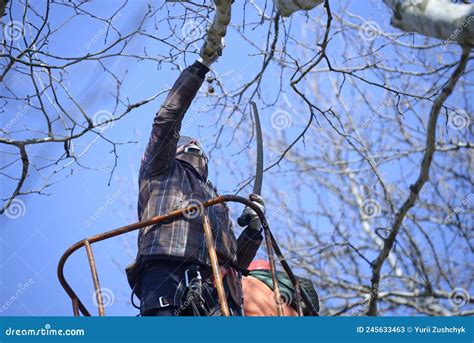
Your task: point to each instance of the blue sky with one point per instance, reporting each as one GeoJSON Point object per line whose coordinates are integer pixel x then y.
{"type": "Point", "coordinates": [82, 203]}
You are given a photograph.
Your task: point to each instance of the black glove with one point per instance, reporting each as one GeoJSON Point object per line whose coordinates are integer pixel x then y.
{"type": "Point", "coordinates": [250, 215]}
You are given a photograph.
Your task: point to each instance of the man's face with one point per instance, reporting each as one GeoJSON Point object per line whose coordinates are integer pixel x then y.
{"type": "Point", "coordinates": [191, 151]}
{"type": "Point", "coordinates": [193, 148]}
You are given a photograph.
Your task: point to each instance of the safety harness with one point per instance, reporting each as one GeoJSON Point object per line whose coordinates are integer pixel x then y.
{"type": "Point", "coordinates": [196, 295]}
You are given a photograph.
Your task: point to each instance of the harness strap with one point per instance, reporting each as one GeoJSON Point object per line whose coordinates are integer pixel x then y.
{"type": "Point", "coordinates": [196, 293]}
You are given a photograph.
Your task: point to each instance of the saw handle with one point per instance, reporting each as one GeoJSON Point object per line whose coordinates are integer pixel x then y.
{"type": "Point", "coordinates": [244, 219]}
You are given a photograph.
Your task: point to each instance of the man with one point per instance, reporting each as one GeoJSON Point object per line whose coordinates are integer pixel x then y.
{"type": "Point", "coordinates": [171, 275]}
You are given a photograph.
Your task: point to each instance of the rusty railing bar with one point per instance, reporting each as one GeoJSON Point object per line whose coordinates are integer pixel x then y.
{"type": "Point", "coordinates": [95, 278]}
{"type": "Point", "coordinates": [292, 277]}
{"type": "Point", "coordinates": [271, 260]}
{"type": "Point", "coordinates": [215, 266]}
{"type": "Point", "coordinates": [75, 308]}
{"type": "Point", "coordinates": [172, 215]}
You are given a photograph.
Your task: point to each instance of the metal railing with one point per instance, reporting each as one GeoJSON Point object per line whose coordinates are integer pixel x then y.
{"type": "Point", "coordinates": [271, 245]}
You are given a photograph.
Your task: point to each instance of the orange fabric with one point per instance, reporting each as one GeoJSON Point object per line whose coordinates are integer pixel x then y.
{"type": "Point", "coordinates": [259, 264]}
{"type": "Point", "coordinates": [259, 299]}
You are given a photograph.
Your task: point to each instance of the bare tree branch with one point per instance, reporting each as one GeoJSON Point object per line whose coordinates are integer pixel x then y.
{"type": "Point", "coordinates": [416, 188]}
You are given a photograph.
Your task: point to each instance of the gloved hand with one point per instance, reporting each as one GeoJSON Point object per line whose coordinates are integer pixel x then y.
{"type": "Point", "coordinates": [209, 54]}
{"type": "Point", "coordinates": [254, 220]}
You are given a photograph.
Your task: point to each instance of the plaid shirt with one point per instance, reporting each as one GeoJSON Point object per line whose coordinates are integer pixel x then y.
{"type": "Point", "coordinates": [167, 184]}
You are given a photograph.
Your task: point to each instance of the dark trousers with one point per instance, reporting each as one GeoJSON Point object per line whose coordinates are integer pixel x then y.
{"type": "Point", "coordinates": [160, 279]}
{"type": "Point", "coordinates": [166, 278]}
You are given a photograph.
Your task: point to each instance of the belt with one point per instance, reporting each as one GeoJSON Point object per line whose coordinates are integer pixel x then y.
{"type": "Point", "coordinates": [197, 286]}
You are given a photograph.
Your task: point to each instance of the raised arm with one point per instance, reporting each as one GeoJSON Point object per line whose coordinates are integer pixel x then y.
{"type": "Point", "coordinates": [161, 148]}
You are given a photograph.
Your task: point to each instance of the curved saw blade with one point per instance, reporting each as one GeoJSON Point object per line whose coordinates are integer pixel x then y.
{"type": "Point", "coordinates": [257, 186]}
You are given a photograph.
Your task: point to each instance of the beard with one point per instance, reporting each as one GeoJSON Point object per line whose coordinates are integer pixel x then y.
{"type": "Point", "coordinates": [199, 163]}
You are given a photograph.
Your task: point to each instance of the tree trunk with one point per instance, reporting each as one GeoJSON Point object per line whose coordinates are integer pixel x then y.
{"type": "Point", "coordinates": [3, 6]}
{"type": "Point", "coordinates": [442, 19]}
{"type": "Point", "coordinates": [217, 30]}
{"type": "Point", "coordinates": [288, 7]}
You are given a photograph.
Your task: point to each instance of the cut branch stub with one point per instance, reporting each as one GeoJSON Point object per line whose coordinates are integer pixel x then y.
{"type": "Point", "coordinates": [217, 30]}
{"type": "Point", "coordinates": [288, 7]}
{"type": "Point", "coordinates": [442, 19]}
